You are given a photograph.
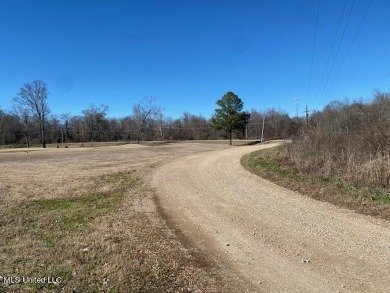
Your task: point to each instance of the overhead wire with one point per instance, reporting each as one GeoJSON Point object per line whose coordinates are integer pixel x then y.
{"type": "Point", "coordinates": [337, 52]}
{"type": "Point", "coordinates": [267, 121]}
{"type": "Point", "coordinates": [331, 50]}
{"type": "Point", "coordinates": [351, 44]}
{"type": "Point", "coordinates": [313, 51]}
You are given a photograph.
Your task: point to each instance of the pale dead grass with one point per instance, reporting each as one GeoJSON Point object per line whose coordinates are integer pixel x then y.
{"type": "Point", "coordinates": [366, 199]}
{"type": "Point", "coordinates": [88, 215]}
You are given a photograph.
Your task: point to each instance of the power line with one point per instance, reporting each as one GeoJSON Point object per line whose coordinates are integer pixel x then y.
{"type": "Point", "coordinates": [269, 121]}
{"type": "Point", "coordinates": [352, 42]}
{"type": "Point", "coordinates": [314, 47]}
{"type": "Point", "coordinates": [337, 52]}
{"type": "Point", "coordinates": [332, 47]}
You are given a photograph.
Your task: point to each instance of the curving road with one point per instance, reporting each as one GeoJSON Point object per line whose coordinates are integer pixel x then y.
{"type": "Point", "coordinates": [277, 239]}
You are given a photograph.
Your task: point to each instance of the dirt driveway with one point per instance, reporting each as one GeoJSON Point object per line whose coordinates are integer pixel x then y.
{"type": "Point", "coordinates": [277, 239]}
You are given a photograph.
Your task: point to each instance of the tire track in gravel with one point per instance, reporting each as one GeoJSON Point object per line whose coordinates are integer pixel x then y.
{"type": "Point", "coordinates": [276, 239]}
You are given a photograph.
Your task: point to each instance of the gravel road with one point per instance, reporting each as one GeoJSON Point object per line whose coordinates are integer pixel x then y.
{"type": "Point", "coordinates": [276, 239]}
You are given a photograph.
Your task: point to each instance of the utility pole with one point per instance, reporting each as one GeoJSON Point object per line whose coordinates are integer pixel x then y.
{"type": "Point", "coordinates": [246, 131]}
{"type": "Point", "coordinates": [307, 115]}
{"type": "Point", "coordinates": [296, 102]}
{"type": "Point", "coordinates": [262, 130]}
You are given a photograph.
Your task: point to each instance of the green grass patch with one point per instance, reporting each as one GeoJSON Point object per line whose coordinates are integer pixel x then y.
{"type": "Point", "coordinates": [71, 212]}
{"type": "Point", "coordinates": [265, 161]}
{"type": "Point", "coordinates": [66, 213]}
{"type": "Point", "coordinates": [381, 197]}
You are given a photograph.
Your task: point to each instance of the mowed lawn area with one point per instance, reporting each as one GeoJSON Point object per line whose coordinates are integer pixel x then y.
{"type": "Point", "coordinates": [86, 218]}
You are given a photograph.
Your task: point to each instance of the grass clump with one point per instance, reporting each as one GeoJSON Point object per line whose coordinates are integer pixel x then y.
{"type": "Point", "coordinates": [381, 197]}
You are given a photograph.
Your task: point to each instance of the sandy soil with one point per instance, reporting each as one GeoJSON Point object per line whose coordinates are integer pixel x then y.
{"type": "Point", "coordinates": [277, 239]}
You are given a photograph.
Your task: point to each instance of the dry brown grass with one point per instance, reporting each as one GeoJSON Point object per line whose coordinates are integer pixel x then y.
{"type": "Point", "coordinates": [89, 217]}
{"type": "Point", "coordinates": [272, 165]}
{"type": "Point", "coordinates": [346, 141]}
{"type": "Point", "coordinates": [368, 169]}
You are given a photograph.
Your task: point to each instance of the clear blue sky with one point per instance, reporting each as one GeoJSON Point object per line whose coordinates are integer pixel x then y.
{"type": "Point", "coordinates": [187, 54]}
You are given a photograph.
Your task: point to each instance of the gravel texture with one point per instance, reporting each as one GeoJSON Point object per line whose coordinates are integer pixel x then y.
{"type": "Point", "coordinates": [276, 239]}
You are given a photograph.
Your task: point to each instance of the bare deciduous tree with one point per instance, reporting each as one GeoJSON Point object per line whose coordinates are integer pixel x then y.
{"type": "Point", "coordinates": [25, 116]}
{"type": "Point", "coordinates": [33, 96]}
{"type": "Point", "coordinates": [65, 118]}
{"type": "Point", "coordinates": [144, 112]}
{"type": "Point", "coordinates": [94, 118]}
{"type": "Point", "coordinates": [10, 127]}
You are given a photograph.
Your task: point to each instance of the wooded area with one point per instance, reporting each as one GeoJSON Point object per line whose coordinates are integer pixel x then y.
{"type": "Point", "coordinates": [347, 141]}
{"type": "Point", "coordinates": [22, 126]}
{"type": "Point", "coordinates": [95, 125]}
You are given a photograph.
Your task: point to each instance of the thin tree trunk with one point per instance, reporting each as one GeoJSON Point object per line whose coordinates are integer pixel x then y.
{"type": "Point", "coordinates": [27, 134]}
{"type": "Point", "coordinates": [27, 140]}
{"type": "Point", "coordinates": [138, 135]}
{"type": "Point", "coordinates": [43, 135]}
{"type": "Point", "coordinates": [230, 137]}
{"type": "Point", "coordinates": [26, 129]}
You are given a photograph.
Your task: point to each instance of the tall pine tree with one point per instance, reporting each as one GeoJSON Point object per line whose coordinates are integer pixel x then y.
{"type": "Point", "coordinates": [229, 116]}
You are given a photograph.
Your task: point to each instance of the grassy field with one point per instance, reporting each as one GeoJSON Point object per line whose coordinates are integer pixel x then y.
{"type": "Point", "coordinates": [88, 217]}
{"type": "Point", "coordinates": [362, 199]}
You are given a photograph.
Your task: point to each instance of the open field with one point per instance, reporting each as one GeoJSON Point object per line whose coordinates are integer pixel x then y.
{"type": "Point", "coordinates": [37, 147]}
{"type": "Point", "coordinates": [88, 216]}
{"type": "Point", "coordinates": [175, 217]}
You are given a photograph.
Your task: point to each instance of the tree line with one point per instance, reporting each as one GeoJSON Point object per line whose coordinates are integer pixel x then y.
{"type": "Point", "coordinates": [31, 122]}
{"type": "Point", "coordinates": [348, 141]}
